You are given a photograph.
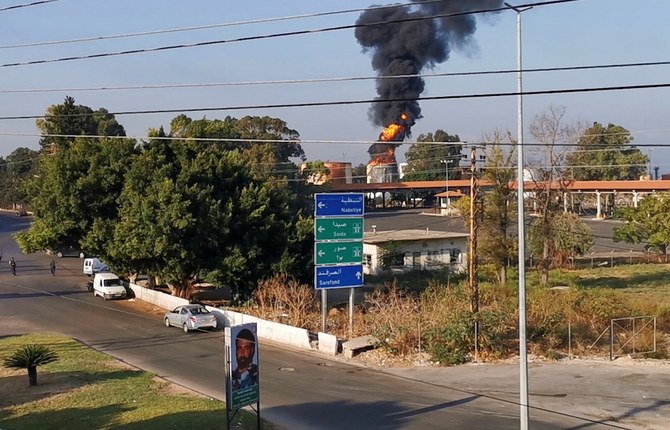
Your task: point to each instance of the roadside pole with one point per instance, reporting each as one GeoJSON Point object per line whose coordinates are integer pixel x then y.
{"type": "Point", "coordinates": [351, 312]}
{"type": "Point", "coordinates": [324, 309]}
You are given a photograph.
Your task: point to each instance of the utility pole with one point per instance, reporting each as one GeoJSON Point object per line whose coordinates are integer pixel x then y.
{"type": "Point", "coordinates": [523, 343]}
{"type": "Point", "coordinates": [472, 261]}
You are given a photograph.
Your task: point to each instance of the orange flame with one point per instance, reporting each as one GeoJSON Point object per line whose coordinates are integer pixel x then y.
{"type": "Point", "coordinates": [391, 132]}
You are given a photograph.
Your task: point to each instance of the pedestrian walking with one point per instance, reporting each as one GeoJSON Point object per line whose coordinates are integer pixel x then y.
{"type": "Point", "coordinates": [52, 267]}
{"type": "Point", "coordinates": [12, 265]}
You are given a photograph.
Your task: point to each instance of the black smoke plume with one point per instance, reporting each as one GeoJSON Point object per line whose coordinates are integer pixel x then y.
{"type": "Point", "coordinates": [407, 48]}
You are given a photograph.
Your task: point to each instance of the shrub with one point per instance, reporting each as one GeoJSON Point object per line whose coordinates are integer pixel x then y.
{"type": "Point", "coordinates": [394, 317]}
{"type": "Point", "coordinates": [29, 357]}
{"type": "Point", "coordinates": [452, 343]}
{"type": "Point", "coordinates": [284, 298]}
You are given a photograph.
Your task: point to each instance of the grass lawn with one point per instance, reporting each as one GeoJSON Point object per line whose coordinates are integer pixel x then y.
{"type": "Point", "coordinates": [649, 280]}
{"type": "Point", "coordinates": [86, 389]}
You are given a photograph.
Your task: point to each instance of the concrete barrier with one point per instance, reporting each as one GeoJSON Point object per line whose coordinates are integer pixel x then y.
{"type": "Point", "coordinates": [328, 343]}
{"type": "Point", "coordinates": [158, 298]}
{"type": "Point", "coordinates": [267, 330]}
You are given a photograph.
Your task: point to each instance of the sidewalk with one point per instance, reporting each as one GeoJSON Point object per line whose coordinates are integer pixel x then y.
{"type": "Point", "coordinates": [627, 393]}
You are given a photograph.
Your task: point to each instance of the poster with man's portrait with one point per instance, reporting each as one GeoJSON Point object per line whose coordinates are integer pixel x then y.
{"type": "Point", "coordinates": [243, 382]}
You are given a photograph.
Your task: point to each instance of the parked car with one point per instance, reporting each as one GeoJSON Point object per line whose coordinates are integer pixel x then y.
{"type": "Point", "coordinates": [93, 266]}
{"type": "Point", "coordinates": [68, 251]}
{"type": "Point", "coordinates": [108, 286]}
{"type": "Point", "coordinates": [190, 317]}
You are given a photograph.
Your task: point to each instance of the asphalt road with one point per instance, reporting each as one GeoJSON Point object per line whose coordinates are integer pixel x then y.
{"type": "Point", "coordinates": [299, 390]}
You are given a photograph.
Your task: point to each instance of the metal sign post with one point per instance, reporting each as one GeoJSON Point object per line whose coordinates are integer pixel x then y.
{"type": "Point", "coordinates": [338, 246]}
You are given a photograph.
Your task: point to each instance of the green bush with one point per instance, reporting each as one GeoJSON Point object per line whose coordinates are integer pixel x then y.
{"type": "Point", "coordinates": [451, 344]}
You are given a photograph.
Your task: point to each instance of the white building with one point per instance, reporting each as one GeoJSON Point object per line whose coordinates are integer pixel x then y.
{"type": "Point", "coordinates": [406, 250]}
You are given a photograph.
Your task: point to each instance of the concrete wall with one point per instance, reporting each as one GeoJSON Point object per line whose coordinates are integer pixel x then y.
{"type": "Point", "coordinates": [267, 330]}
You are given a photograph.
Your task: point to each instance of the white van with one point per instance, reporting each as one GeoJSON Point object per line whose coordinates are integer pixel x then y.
{"type": "Point", "coordinates": [108, 286]}
{"type": "Point", "coordinates": [93, 266]}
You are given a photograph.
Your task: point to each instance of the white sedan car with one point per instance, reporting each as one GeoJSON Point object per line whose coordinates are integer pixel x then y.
{"type": "Point", "coordinates": [190, 317]}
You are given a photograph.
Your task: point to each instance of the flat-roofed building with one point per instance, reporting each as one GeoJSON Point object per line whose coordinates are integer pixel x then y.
{"type": "Point", "coordinates": [406, 250]}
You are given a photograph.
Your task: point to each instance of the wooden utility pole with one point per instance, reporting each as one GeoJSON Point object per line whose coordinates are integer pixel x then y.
{"type": "Point", "coordinates": [473, 260]}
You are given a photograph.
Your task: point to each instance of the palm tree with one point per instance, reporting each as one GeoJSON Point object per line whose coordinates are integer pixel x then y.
{"type": "Point", "coordinates": [30, 357]}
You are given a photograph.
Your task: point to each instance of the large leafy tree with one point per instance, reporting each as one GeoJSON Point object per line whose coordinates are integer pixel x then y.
{"type": "Point", "coordinates": [426, 158]}
{"type": "Point", "coordinates": [72, 188]}
{"type": "Point", "coordinates": [78, 180]}
{"type": "Point", "coordinates": [205, 214]}
{"type": "Point", "coordinates": [649, 223]}
{"type": "Point", "coordinates": [70, 119]}
{"type": "Point", "coordinates": [606, 153]}
{"type": "Point", "coordinates": [271, 136]}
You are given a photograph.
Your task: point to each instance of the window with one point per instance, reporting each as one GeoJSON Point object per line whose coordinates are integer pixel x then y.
{"type": "Point", "coordinates": [434, 258]}
{"type": "Point", "coordinates": [454, 255]}
{"type": "Point", "coordinates": [399, 259]}
{"type": "Point", "coordinates": [367, 260]}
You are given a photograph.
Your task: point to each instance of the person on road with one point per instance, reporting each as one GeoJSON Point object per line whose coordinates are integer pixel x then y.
{"type": "Point", "coordinates": [52, 267]}
{"type": "Point", "coordinates": [12, 265]}
{"type": "Point", "coordinates": [0, 258]}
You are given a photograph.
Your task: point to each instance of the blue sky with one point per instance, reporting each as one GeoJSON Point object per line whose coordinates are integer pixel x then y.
{"type": "Point", "coordinates": [581, 33]}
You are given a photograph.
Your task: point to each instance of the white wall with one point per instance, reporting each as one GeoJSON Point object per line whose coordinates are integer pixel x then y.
{"type": "Point", "coordinates": [267, 330]}
{"type": "Point", "coordinates": [426, 262]}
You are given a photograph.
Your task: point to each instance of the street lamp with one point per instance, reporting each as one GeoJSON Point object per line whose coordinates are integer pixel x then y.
{"type": "Point", "coordinates": [523, 347]}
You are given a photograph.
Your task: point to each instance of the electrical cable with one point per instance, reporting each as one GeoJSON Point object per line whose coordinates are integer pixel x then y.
{"type": "Point", "coordinates": [208, 26]}
{"type": "Point", "coordinates": [333, 79]}
{"type": "Point", "coordinates": [309, 141]}
{"type": "Point", "coordinates": [364, 101]}
{"type": "Point", "coordinates": [273, 35]}
{"type": "Point", "coordinates": [20, 6]}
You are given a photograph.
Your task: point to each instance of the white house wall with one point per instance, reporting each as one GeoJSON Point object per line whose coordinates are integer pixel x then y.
{"type": "Point", "coordinates": [426, 262]}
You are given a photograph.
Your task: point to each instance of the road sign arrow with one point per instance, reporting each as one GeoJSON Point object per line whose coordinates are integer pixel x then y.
{"type": "Point", "coordinates": [358, 275]}
{"type": "Point", "coordinates": [321, 205]}
{"type": "Point", "coordinates": [321, 253]}
{"type": "Point", "coordinates": [321, 229]}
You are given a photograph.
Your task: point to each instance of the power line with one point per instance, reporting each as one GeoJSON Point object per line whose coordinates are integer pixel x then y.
{"type": "Point", "coordinates": [337, 79]}
{"type": "Point", "coordinates": [302, 141]}
{"type": "Point", "coordinates": [364, 101]}
{"type": "Point", "coordinates": [207, 26]}
{"type": "Point", "coordinates": [272, 35]}
{"type": "Point", "coordinates": [20, 6]}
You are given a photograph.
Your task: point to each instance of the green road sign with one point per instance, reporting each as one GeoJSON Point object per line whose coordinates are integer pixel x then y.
{"type": "Point", "coordinates": [338, 252]}
{"type": "Point", "coordinates": [339, 228]}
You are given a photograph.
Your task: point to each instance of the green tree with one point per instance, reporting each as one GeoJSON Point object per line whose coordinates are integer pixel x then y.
{"type": "Point", "coordinates": [70, 119]}
{"type": "Point", "coordinates": [29, 357]}
{"type": "Point", "coordinates": [78, 180]}
{"type": "Point", "coordinates": [498, 243]}
{"type": "Point", "coordinates": [205, 214]}
{"type": "Point", "coordinates": [570, 237]}
{"type": "Point", "coordinates": [72, 188]}
{"type": "Point", "coordinates": [649, 223]}
{"type": "Point", "coordinates": [15, 171]}
{"type": "Point", "coordinates": [606, 154]}
{"type": "Point", "coordinates": [426, 158]}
